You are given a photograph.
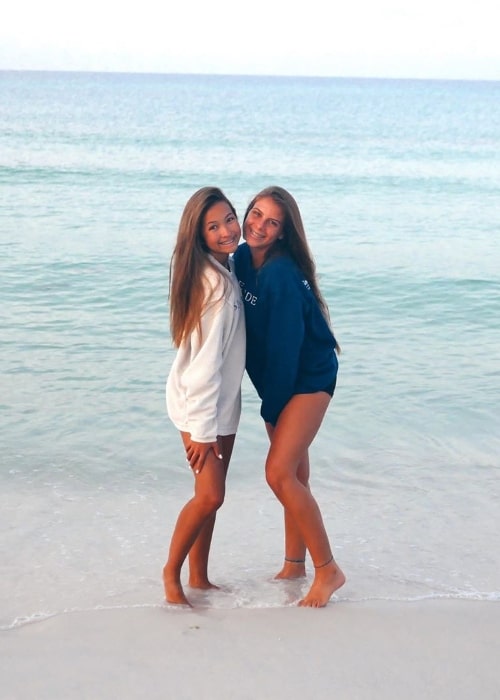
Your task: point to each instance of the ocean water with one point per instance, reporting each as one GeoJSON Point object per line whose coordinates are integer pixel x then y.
{"type": "Point", "coordinates": [398, 183]}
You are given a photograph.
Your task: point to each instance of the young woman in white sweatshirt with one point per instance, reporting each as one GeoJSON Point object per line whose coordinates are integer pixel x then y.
{"type": "Point", "coordinates": [204, 384]}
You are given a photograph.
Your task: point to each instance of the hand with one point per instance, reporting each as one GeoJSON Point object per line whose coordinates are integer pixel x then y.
{"type": "Point", "coordinates": [197, 453]}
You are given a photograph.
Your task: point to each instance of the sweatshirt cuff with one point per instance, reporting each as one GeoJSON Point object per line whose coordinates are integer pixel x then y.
{"type": "Point", "coordinates": [204, 439]}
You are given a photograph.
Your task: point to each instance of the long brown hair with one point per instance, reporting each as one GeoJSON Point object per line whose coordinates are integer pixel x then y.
{"type": "Point", "coordinates": [186, 291]}
{"type": "Point", "coordinates": [294, 241]}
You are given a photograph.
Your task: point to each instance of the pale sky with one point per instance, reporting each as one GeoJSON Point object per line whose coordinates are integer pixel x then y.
{"type": "Point", "coordinates": [367, 38]}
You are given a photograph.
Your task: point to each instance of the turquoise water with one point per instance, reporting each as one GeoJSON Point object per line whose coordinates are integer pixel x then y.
{"type": "Point", "coordinates": [398, 183]}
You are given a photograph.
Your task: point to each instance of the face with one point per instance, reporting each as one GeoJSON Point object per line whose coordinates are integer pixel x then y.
{"type": "Point", "coordinates": [263, 226]}
{"type": "Point", "coordinates": [221, 231]}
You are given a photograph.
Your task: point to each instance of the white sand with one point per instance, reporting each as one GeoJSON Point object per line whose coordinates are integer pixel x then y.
{"type": "Point", "coordinates": [443, 650]}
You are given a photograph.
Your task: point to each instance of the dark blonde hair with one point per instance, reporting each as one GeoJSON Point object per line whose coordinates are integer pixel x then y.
{"type": "Point", "coordinates": [190, 257]}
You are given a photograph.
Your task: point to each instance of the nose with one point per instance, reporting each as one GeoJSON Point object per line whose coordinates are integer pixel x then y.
{"type": "Point", "coordinates": [230, 230]}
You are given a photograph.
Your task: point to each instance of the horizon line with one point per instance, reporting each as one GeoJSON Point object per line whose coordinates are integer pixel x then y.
{"type": "Point", "coordinates": [246, 75]}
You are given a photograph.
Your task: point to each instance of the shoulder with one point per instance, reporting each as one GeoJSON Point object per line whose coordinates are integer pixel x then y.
{"type": "Point", "coordinates": [213, 281]}
{"type": "Point", "coordinates": [280, 279]}
{"type": "Point", "coordinates": [242, 249]}
{"type": "Point", "coordinates": [241, 256]}
{"type": "Point", "coordinates": [210, 275]}
{"type": "Point", "coordinates": [278, 270]}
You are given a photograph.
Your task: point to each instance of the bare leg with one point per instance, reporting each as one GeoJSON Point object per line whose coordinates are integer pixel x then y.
{"type": "Point", "coordinates": [199, 552]}
{"type": "Point", "coordinates": [296, 428]}
{"type": "Point", "coordinates": [294, 565]}
{"type": "Point", "coordinates": [295, 550]}
{"type": "Point", "coordinates": [209, 489]}
{"type": "Point", "coordinates": [198, 556]}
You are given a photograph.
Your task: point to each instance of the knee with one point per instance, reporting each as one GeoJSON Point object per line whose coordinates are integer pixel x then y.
{"type": "Point", "coordinates": [275, 479]}
{"type": "Point", "coordinates": [211, 501]}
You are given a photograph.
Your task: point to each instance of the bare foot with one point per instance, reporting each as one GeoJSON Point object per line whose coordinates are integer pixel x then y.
{"type": "Point", "coordinates": [174, 593]}
{"type": "Point", "coordinates": [291, 570]}
{"type": "Point", "coordinates": [202, 583]}
{"type": "Point", "coordinates": [327, 580]}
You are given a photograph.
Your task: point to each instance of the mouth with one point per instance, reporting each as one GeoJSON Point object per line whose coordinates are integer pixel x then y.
{"type": "Point", "coordinates": [254, 234]}
{"type": "Point", "coordinates": [229, 242]}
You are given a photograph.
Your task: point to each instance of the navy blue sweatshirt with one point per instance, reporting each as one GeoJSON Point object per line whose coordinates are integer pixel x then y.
{"type": "Point", "coordinates": [290, 347]}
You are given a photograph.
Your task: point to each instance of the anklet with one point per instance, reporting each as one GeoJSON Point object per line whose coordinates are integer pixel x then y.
{"type": "Point", "coordinates": [325, 564]}
{"type": "Point", "coordinates": [295, 561]}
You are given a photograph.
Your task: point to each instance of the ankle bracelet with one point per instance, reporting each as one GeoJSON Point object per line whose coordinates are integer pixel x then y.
{"type": "Point", "coordinates": [325, 564]}
{"type": "Point", "coordinates": [295, 561]}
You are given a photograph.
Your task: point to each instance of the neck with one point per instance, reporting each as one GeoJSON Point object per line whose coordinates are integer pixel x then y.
{"type": "Point", "coordinates": [258, 258]}
{"type": "Point", "coordinates": [222, 259]}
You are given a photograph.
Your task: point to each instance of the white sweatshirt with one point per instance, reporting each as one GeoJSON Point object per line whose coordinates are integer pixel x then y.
{"type": "Point", "coordinates": [204, 384]}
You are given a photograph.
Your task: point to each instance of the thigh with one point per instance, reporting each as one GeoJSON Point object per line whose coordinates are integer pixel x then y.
{"type": "Point", "coordinates": [211, 480]}
{"type": "Point", "coordinates": [296, 428]}
{"type": "Point", "coordinates": [226, 444]}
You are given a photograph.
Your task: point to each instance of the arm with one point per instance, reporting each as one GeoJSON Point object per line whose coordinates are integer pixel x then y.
{"type": "Point", "coordinates": [284, 333]}
{"type": "Point", "coordinates": [202, 379]}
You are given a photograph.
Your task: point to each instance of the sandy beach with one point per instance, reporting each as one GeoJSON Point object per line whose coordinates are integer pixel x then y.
{"type": "Point", "coordinates": [356, 651]}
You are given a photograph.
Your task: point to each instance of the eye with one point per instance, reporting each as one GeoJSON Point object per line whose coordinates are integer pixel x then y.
{"type": "Point", "coordinates": [212, 227]}
{"type": "Point", "coordinates": [231, 218]}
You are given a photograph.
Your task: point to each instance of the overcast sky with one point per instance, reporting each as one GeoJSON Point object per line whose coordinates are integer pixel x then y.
{"type": "Point", "coordinates": [369, 38]}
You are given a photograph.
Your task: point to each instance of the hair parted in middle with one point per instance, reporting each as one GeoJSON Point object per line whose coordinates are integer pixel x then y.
{"type": "Point", "coordinates": [187, 293]}
{"type": "Point", "coordinates": [294, 240]}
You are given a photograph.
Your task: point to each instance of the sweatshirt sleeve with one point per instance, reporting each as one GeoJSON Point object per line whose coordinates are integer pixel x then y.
{"type": "Point", "coordinates": [202, 377]}
{"type": "Point", "coordinates": [285, 333]}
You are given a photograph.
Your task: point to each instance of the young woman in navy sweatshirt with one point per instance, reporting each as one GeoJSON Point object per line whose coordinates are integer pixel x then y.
{"type": "Point", "coordinates": [291, 360]}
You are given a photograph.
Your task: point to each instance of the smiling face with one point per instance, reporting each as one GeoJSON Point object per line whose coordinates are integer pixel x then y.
{"type": "Point", "coordinates": [262, 227]}
{"type": "Point", "coordinates": [221, 231]}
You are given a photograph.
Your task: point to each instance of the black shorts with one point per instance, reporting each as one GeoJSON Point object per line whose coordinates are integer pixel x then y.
{"type": "Point", "coordinates": [331, 387]}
